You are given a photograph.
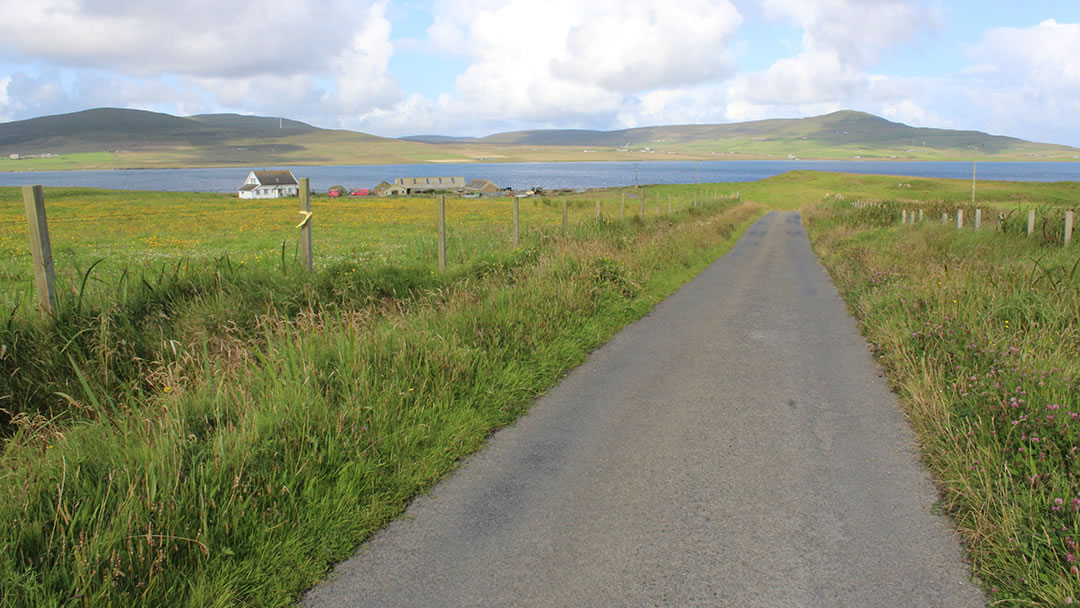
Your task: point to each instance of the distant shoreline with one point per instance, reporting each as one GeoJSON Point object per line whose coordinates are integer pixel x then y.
{"type": "Point", "coordinates": [247, 166]}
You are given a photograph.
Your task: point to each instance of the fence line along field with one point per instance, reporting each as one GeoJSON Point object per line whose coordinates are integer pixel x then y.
{"type": "Point", "coordinates": [139, 232]}
{"type": "Point", "coordinates": [212, 430]}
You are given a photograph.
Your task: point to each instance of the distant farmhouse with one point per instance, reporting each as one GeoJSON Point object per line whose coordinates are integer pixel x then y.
{"type": "Point", "coordinates": [388, 189]}
{"type": "Point", "coordinates": [481, 186]}
{"type": "Point", "coordinates": [417, 185]}
{"type": "Point", "coordinates": [269, 184]}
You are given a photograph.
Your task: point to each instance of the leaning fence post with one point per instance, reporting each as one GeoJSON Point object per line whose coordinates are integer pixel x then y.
{"type": "Point", "coordinates": [306, 247]}
{"type": "Point", "coordinates": [517, 221]}
{"type": "Point", "coordinates": [440, 219]}
{"type": "Point", "coordinates": [40, 249]}
{"type": "Point", "coordinates": [565, 218]}
{"type": "Point", "coordinates": [1068, 227]}
{"type": "Point", "coordinates": [959, 218]}
{"type": "Point", "coordinates": [1031, 221]}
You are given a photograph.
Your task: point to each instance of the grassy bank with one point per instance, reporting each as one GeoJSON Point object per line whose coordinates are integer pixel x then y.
{"type": "Point", "coordinates": [262, 422]}
{"type": "Point", "coordinates": [980, 335]}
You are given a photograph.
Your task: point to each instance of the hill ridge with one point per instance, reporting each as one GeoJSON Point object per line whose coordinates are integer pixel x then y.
{"type": "Point", "coordinates": [129, 138]}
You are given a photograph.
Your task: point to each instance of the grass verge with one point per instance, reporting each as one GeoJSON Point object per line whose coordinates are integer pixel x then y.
{"type": "Point", "coordinates": [268, 425]}
{"type": "Point", "coordinates": [980, 336]}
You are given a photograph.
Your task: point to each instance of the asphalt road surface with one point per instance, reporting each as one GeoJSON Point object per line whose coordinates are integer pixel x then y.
{"type": "Point", "coordinates": [736, 447]}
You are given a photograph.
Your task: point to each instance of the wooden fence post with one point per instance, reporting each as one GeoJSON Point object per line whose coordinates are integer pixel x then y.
{"type": "Point", "coordinates": [1031, 221]}
{"type": "Point", "coordinates": [1068, 227]}
{"type": "Point", "coordinates": [40, 249]}
{"type": "Point", "coordinates": [517, 221]}
{"type": "Point", "coordinates": [440, 219]}
{"type": "Point", "coordinates": [978, 219]}
{"type": "Point", "coordinates": [903, 216]}
{"type": "Point", "coordinates": [959, 218]}
{"type": "Point", "coordinates": [306, 248]}
{"type": "Point", "coordinates": [920, 215]}
{"type": "Point", "coordinates": [565, 218]}
{"type": "Point", "coordinates": [944, 218]}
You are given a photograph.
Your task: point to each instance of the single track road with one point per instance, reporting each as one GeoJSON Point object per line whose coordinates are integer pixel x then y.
{"type": "Point", "coordinates": [736, 447]}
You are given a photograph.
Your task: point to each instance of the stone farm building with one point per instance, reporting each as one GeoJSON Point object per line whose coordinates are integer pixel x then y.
{"type": "Point", "coordinates": [269, 184]}
{"type": "Point", "coordinates": [388, 189]}
{"type": "Point", "coordinates": [481, 186]}
{"type": "Point", "coordinates": [414, 185]}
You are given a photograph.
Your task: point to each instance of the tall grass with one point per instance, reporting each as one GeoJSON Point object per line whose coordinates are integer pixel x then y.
{"type": "Point", "coordinates": [980, 334]}
{"type": "Point", "coordinates": [225, 434]}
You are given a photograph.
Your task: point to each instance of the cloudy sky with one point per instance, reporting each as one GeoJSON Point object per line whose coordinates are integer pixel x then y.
{"type": "Point", "coordinates": [475, 67]}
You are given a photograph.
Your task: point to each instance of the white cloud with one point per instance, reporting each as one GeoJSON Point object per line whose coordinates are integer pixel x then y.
{"type": "Point", "coordinates": [321, 60]}
{"type": "Point", "coordinates": [5, 99]}
{"type": "Point", "coordinates": [1026, 80]}
{"type": "Point", "coordinates": [565, 63]}
{"type": "Point", "coordinates": [202, 38]}
{"type": "Point", "coordinates": [855, 32]}
{"type": "Point", "coordinates": [842, 39]}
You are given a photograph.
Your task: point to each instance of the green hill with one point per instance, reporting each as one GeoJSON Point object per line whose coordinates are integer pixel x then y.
{"type": "Point", "coordinates": [120, 138]}
{"type": "Point", "coordinates": [845, 129]}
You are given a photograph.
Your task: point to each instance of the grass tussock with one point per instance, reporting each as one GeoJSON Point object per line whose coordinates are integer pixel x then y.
{"type": "Point", "coordinates": [980, 334]}
{"type": "Point", "coordinates": [219, 436]}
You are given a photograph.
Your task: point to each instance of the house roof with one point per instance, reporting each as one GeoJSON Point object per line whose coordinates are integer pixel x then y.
{"type": "Point", "coordinates": [275, 178]}
{"type": "Point", "coordinates": [477, 184]}
{"type": "Point", "coordinates": [430, 181]}
{"type": "Point", "coordinates": [248, 187]}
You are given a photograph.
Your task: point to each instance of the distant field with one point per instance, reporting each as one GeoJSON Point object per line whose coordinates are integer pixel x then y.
{"type": "Point", "coordinates": [141, 230]}
{"type": "Point", "coordinates": [62, 162]}
{"type": "Point", "coordinates": [797, 188]}
{"type": "Point", "coordinates": [317, 150]}
{"type": "Point", "coordinates": [121, 230]}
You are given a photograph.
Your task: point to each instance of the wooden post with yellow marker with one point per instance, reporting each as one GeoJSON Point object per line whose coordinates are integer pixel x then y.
{"type": "Point", "coordinates": [306, 248]}
{"type": "Point", "coordinates": [40, 250]}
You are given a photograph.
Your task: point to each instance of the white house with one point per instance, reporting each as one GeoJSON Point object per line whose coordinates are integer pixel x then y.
{"type": "Point", "coordinates": [269, 184]}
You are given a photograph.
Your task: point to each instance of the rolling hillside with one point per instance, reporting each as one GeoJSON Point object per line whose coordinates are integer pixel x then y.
{"type": "Point", "coordinates": [839, 131]}
{"type": "Point", "coordinates": [110, 138]}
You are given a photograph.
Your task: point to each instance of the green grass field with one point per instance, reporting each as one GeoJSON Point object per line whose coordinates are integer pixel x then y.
{"type": "Point", "coordinates": [206, 424]}
{"type": "Point", "coordinates": [216, 430]}
{"type": "Point", "coordinates": [137, 233]}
